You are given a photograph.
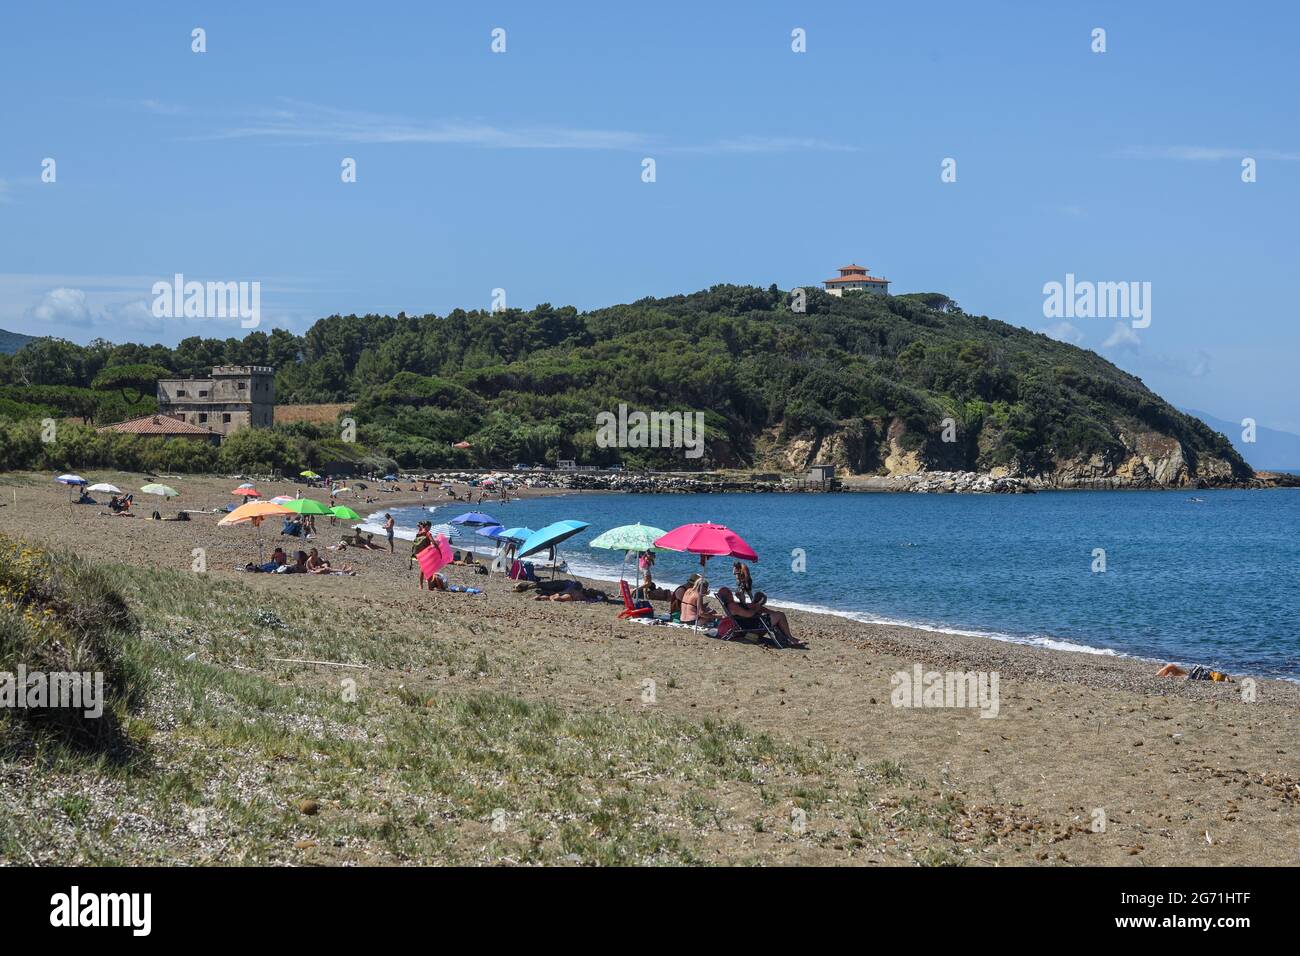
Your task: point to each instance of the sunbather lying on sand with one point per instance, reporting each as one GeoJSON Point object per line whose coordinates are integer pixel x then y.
{"type": "Point", "coordinates": [1196, 673]}
{"type": "Point", "coordinates": [318, 565]}
{"type": "Point", "coordinates": [570, 591]}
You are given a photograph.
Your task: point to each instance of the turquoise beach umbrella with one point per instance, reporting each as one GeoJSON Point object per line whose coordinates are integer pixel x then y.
{"type": "Point", "coordinates": [550, 536]}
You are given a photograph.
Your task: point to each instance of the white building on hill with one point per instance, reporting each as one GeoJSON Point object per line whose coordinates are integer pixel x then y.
{"type": "Point", "coordinates": [855, 278]}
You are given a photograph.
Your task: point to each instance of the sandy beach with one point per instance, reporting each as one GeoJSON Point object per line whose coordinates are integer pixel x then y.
{"type": "Point", "coordinates": [1089, 760]}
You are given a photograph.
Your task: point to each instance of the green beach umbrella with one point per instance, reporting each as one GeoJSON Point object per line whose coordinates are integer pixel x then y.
{"type": "Point", "coordinates": [155, 489]}
{"type": "Point", "coordinates": [629, 537]}
{"type": "Point", "coordinates": [308, 474]}
{"type": "Point", "coordinates": [343, 511]}
{"type": "Point", "coordinates": [306, 506]}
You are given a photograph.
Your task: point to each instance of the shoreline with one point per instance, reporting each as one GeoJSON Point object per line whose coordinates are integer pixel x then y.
{"type": "Point", "coordinates": [1073, 731]}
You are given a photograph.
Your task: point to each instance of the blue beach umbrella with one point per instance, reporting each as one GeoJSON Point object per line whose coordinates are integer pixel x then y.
{"type": "Point", "coordinates": [72, 481]}
{"type": "Point", "coordinates": [475, 519]}
{"type": "Point", "coordinates": [549, 537]}
{"type": "Point", "coordinates": [517, 535]}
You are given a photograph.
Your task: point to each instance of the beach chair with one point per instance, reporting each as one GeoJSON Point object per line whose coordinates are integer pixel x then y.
{"type": "Point", "coordinates": [630, 609]}
{"type": "Point", "coordinates": [758, 627]}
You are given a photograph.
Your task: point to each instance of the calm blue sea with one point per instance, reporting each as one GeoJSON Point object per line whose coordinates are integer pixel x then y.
{"type": "Point", "coordinates": [1213, 581]}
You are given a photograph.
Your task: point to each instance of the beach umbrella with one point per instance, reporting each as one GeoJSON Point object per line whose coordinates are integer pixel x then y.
{"type": "Point", "coordinates": [434, 557]}
{"type": "Point", "coordinates": [549, 537]}
{"type": "Point", "coordinates": [281, 499]}
{"type": "Point", "coordinates": [389, 478]}
{"type": "Point", "coordinates": [306, 506]}
{"type": "Point", "coordinates": [244, 492]}
{"type": "Point", "coordinates": [344, 512]}
{"type": "Point", "coordinates": [510, 539]}
{"type": "Point", "coordinates": [446, 530]}
{"type": "Point", "coordinates": [629, 538]}
{"type": "Point", "coordinates": [165, 491]}
{"type": "Point", "coordinates": [339, 491]}
{"type": "Point", "coordinates": [308, 474]}
{"type": "Point", "coordinates": [254, 513]}
{"type": "Point", "coordinates": [708, 541]}
{"type": "Point", "coordinates": [475, 519]}
{"type": "Point", "coordinates": [106, 488]}
{"type": "Point", "coordinates": [490, 531]}
{"type": "Point", "coordinates": [247, 484]}
{"type": "Point", "coordinates": [72, 481]}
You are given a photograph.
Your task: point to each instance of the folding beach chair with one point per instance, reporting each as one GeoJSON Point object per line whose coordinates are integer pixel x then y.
{"type": "Point", "coordinates": [630, 609]}
{"type": "Point", "coordinates": [758, 627]}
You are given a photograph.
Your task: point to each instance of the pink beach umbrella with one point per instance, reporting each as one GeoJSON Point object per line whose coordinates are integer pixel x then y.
{"type": "Point", "coordinates": [708, 541]}
{"type": "Point", "coordinates": [435, 556]}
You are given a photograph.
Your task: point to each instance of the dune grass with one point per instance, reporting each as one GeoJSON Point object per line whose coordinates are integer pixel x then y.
{"type": "Point", "coordinates": [238, 757]}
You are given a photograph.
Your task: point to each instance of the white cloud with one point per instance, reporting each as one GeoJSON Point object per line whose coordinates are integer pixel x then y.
{"type": "Point", "coordinates": [1205, 153]}
{"type": "Point", "coordinates": [310, 122]}
{"type": "Point", "coordinates": [1123, 338]}
{"type": "Point", "coordinates": [1126, 346]}
{"type": "Point", "coordinates": [1064, 332]}
{"type": "Point", "coordinates": [62, 307]}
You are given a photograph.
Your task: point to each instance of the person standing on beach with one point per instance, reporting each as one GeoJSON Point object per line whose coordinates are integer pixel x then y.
{"type": "Point", "coordinates": [388, 530]}
{"type": "Point", "coordinates": [744, 583]}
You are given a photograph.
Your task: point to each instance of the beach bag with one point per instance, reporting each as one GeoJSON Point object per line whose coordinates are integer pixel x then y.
{"type": "Point", "coordinates": [725, 628]}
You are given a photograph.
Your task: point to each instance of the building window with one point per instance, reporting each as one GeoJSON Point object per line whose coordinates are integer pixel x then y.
{"type": "Point", "coordinates": [202, 417]}
{"type": "Point", "coordinates": [225, 418]}
{"type": "Point", "coordinates": [203, 393]}
{"type": "Point", "coordinates": [242, 386]}
{"type": "Point", "coordinates": [180, 393]}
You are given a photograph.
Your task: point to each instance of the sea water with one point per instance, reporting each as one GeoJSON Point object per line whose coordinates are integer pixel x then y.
{"type": "Point", "coordinates": [1210, 577]}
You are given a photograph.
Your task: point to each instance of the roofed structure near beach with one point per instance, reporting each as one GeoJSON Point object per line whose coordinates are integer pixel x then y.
{"type": "Point", "coordinates": [855, 278]}
{"type": "Point", "coordinates": [162, 426]}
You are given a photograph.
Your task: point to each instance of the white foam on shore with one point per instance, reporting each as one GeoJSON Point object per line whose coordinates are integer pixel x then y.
{"type": "Point", "coordinates": [599, 573]}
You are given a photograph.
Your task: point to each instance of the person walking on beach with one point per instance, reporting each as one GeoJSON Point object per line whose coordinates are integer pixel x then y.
{"type": "Point", "coordinates": [423, 539]}
{"type": "Point", "coordinates": [388, 530]}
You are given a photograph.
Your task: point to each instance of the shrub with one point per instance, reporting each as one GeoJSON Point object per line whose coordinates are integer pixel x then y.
{"type": "Point", "coordinates": [60, 615]}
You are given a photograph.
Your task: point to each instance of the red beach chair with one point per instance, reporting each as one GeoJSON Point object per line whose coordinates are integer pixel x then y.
{"type": "Point", "coordinates": [629, 609]}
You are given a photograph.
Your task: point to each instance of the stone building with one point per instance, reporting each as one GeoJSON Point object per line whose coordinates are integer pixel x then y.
{"type": "Point", "coordinates": [235, 397]}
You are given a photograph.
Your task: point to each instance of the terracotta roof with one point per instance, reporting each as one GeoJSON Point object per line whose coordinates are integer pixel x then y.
{"type": "Point", "coordinates": [860, 278]}
{"type": "Point", "coordinates": [156, 425]}
{"type": "Point", "coordinates": [853, 267]}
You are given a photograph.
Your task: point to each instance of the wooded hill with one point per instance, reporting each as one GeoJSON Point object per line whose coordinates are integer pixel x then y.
{"type": "Point", "coordinates": [526, 386]}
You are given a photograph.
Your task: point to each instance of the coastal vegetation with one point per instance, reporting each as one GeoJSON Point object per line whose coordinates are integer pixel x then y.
{"type": "Point", "coordinates": [525, 386]}
{"type": "Point", "coordinates": [240, 755]}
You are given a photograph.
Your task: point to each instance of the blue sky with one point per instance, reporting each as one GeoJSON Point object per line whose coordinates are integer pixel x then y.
{"type": "Point", "coordinates": [522, 170]}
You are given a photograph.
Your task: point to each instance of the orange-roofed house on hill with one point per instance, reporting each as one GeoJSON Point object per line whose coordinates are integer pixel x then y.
{"type": "Point", "coordinates": [855, 278]}
{"type": "Point", "coordinates": [163, 426]}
